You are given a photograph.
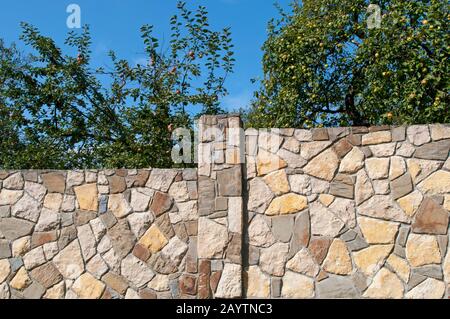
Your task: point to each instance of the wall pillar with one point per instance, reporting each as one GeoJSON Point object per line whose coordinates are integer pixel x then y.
{"type": "Point", "coordinates": [220, 225]}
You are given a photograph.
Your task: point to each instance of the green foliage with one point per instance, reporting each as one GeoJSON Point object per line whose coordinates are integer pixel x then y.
{"type": "Point", "coordinates": [55, 113]}
{"type": "Point", "coordinates": [323, 66]}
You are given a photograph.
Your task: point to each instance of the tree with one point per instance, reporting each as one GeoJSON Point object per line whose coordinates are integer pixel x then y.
{"type": "Point", "coordinates": [323, 66]}
{"type": "Point", "coordinates": [56, 113]}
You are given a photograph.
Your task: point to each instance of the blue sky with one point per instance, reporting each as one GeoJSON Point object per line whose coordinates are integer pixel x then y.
{"type": "Point", "coordinates": [115, 25]}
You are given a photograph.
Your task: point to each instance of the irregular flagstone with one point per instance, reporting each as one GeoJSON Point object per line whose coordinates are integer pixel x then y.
{"type": "Point", "coordinates": [119, 206]}
{"type": "Point", "coordinates": [27, 208]}
{"type": "Point", "coordinates": [278, 182]}
{"type": "Point", "coordinates": [154, 240]}
{"type": "Point", "coordinates": [383, 150]}
{"type": "Point", "coordinates": [212, 238]}
{"type": "Point", "coordinates": [287, 204]}
{"type": "Point", "coordinates": [377, 168]}
{"type": "Point", "coordinates": [34, 258]}
{"type": "Point", "coordinates": [428, 289]}
{"type": "Point", "coordinates": [121, 238]}
{"type": "Point", "coordinates": [48, 220]}
{"type": "Point", "coordinates": [318, 248]}
{"type": "Point", "coordinates": [259, 195]}
{"type": "Point", "coordinates": [323, 166]}
{"type": "Point", "coordinates": [267, 162]}
{"type": "Point", "coordinates": [324, 222]}
{"type": "Point", "coordinates": [21, 280]}
{"type": "Point", "coordinates": [418, 134]}
{"type": "Point", "coordinates": [74, 178]}
{"type": "Point", "coordinates": [303, 263]}
{"type": "Point", "coordinates": [398, 167]}
{"type": "Point", "coordinates": [257, 283]}
{"type": "Point", "coordinates": [9, 197]}
{"type": "Point", "coordinates": [87, 287]}
{"type": "Point", "coordinates": [337, 287]}
{"type": "Point", "coordinates": [377, 231]}
{"type": "Point", "coordinates": [385, 285]}
{"type": "Point", "coordinates": [301, 232]}
{"type": "Point", "coordinates": [56, 292]}
{"type": "Point", "coordinates": [433, 151]}
{"type": "Point", "coordinates": [117, 184]}
{"type": "Point", "coordinates": [363, 187]}
{"type": "Point", "coordinates": [292, 145]}
{"type": "Point", "coordinates": [421, 169]}
{"type": "Point", "coordinates": [297, 286]}
{"type": "Point", "coordinates": [269, 140]}
{"type": "Point", "coordinates": [87, 241]}
{"type": "Point", "coordinates": [179, 191]}
{"type": "Point", "coordinates": [342, 148]}
{"type": "Point", "coordinates": [431, 218]}
{"type": "Point", "coordinates": [87, 197]}
{"type": "Point", "coordinates": [230, 282]}
{"type": "Point", "coordinates": [13, 228]}
{"type": "Point", "coordinates": [69, 261]}
{"type": "Point", "coordinates": [371, 259]}
{"type": "Point", "coordinates": [159, 283]}
{"type": "Point", "coordinates": [446, 267]}
{"type": "Point", "coordinates": [161, 203]}
{"type": "Point", "coordinates": [343, 186]}
{"type": "Point", "coordinates": [53, 201]}
{"type": "Point", "coordinates": [282, 227]}
{"type": "Point", "coordinates": [309, 150]}
{"type": "Point", "coordinates": [139, 201]}
{"type": "Point", "coordinates": [380, 206]}
{"type": "Point", "coordinates": [54, 182]}
{"type": "Point", "coordinates": [437, 183]}
{"type": "Point", "coordinates": [139, 223]}
{"type": "Point", "coordinates": [400, 267]}
{"type": "Point", "coordinates": [422, 250]}
{"type": "Point", "coordinates": [326, 199]}
{"type": "Point", "coordinates": [405, 149]}
{"type": "Point", "coordinates": [35, 190]}
{"type": "Point", "coordinates": [293, 160]}
{"type": "Point", "coordinates": [97, 266]}
{"type": "Point", "coordinates": [272, 260]}
{"type": "Point", "coordinates": [175, 250]}
{"type": "Point", "coordinates": [447, 202]}
{"type": "Point", "coordinates": [303, 135]}
{"type": "Point", "coordinates": [338, 260]}
{"type": "Point", "coordinates": [377, 138]}
{"type": "Point", "coordinates": [14, 182]}
{"type": "Point", "coordinates": [402, 186]}
{"type": "Point", "coordinates": [440, 131]}
{"type": "Point", "coordinates": [344, 209]}
{"type": "Point", "coordinates": [352, 162]}
{"type": "Point", "coordinates": [47, 275]}
{"type": "Point", "coordinates": [5, 269]}
{"type": "Point", "coordinates": [410, 203]}
{"type": "Point", "coordinates": [300, 184]}
{"type": "Point", "coordinates": [136, 271]}
{"type": "Point", "coordinates": [161, 179]}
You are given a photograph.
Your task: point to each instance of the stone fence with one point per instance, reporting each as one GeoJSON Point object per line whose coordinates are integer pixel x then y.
{"type": "Point", "coordinates": [284, 213]}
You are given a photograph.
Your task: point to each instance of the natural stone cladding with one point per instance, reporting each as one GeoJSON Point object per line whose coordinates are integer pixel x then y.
{"type": "Point", "coordinates": [348, 212]}
{"type": "Point", "coordinates": [98, 234]}
{"type": "Point", "coordinates": [282, 213]}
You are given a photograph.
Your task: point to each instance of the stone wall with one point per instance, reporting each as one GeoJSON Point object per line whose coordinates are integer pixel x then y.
{"type": "Point", "coordinates": [348, 212]}
{"type": "Point", "coordinates": [285, 213]}
{"type": "Point", "coordinates": [98, 234]}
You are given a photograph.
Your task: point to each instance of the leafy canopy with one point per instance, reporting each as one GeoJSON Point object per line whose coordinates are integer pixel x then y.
{"type": "Point", "coordinates": [323, 66]}
{"type": "Point", "coordinates": [57, 112]}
